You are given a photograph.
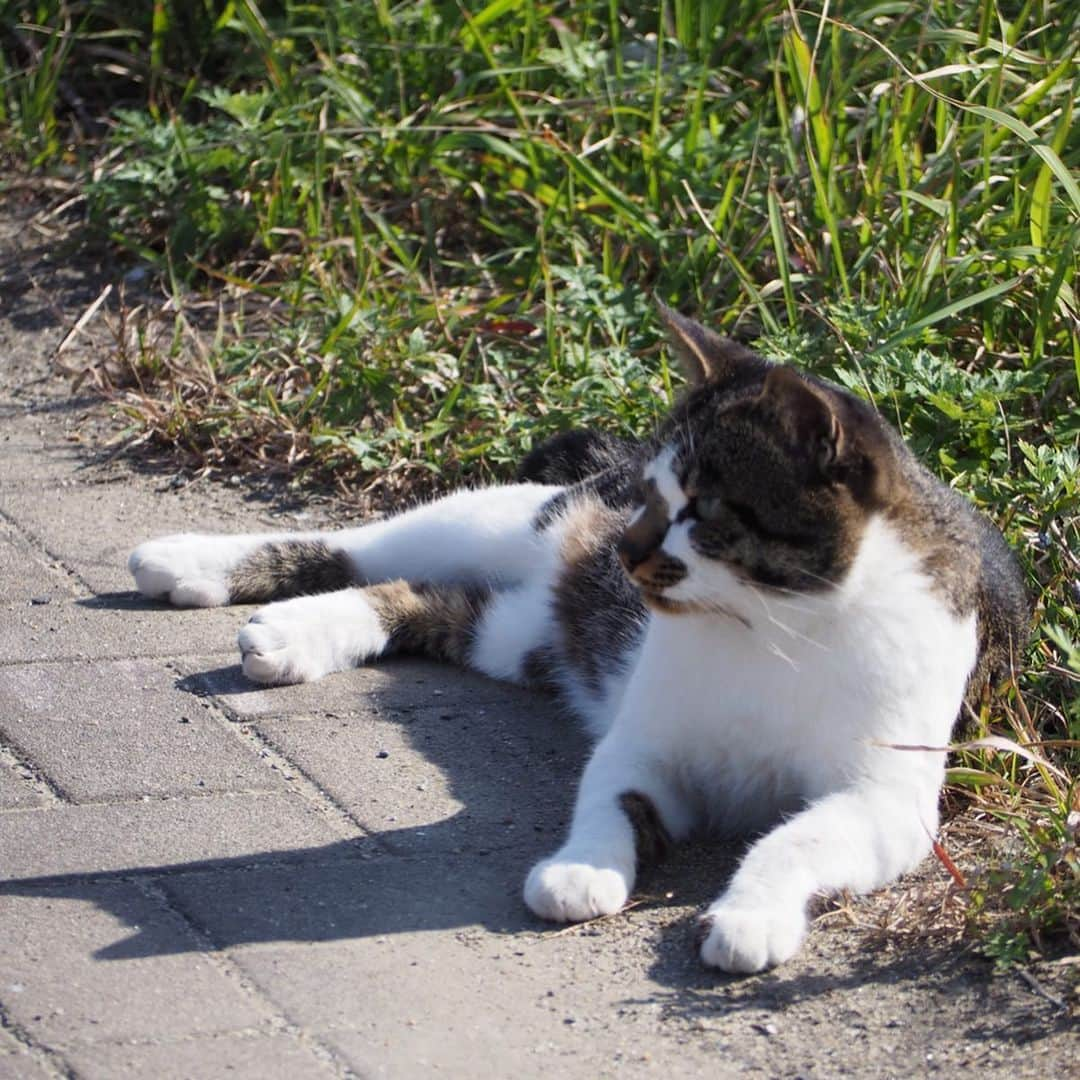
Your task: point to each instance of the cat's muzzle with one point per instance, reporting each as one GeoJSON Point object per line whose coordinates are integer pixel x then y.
{"type": "Point", "coordinates": [651, 568]}
{"type": "Point", "coordinates": [641, 547]}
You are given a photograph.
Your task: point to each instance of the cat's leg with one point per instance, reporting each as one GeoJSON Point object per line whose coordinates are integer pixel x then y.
{"type": "Point", "coordinates": [627, 812]}
{"type": "Point", "coordinates": [482, 536]}
{"type": "Point", "coordinates": [196, 570]}
{"type": "Point", "coordinates": [492, 631]}
{"type": "Point", "coordinates": [304, 638]}
{"type": "Point", "coordinates": [857, 839]}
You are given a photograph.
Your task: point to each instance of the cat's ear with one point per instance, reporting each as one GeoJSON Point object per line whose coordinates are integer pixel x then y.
{"type": "Point", "coordinates": [806, 415]}
{"type": "Point", "coordinates": [705, 356]}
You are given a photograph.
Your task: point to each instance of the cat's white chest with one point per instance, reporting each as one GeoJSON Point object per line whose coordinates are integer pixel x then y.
{"type": "Point", "coordinates": [735, 720]}
{"type": "Point", "coordinates": [759, 713]}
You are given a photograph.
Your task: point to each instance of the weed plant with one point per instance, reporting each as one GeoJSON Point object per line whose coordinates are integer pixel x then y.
{"type": "Point", "coordinates": [433, 229]}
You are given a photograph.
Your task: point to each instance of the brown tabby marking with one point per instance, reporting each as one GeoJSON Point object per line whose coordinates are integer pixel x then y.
{"type": "Point", "coordinates": [438, 621]}
{"type": "Point", "coordinates": [287, 568]}
{"type": "Point", "coordinates": [652, 841]}
{"type": "Point", "coordinates": [593, 600]}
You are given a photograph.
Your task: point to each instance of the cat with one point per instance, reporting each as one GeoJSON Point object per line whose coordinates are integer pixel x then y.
{"type": "Point", "coordinates": [753, 611]}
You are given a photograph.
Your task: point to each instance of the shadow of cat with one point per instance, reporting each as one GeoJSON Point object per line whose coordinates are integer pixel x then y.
{"type": "Point", "coordinates": [513, 778]}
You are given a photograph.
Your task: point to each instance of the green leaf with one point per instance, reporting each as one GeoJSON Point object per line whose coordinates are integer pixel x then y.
{"type": "Point", "coordinates": [1031, 138]}
{"type": "Point", "coordinates": [947, 312]}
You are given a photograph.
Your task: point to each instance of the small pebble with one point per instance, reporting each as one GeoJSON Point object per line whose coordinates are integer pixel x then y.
{"type": "Point", "coordinates": [383, 754]}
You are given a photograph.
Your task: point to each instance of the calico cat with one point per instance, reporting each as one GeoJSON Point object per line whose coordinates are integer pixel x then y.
{"type": "Point", "coordinates": [750, 610]}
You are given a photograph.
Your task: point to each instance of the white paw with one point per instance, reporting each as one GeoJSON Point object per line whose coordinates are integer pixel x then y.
{"type": "Point", "coordinates": [745, 939]}
{"type": "Point", "coordinates": [187, 570]}
{"type": "Point", "coordinates": [303, 639]}
{"type": "Point", "coordinates": [574, 891]}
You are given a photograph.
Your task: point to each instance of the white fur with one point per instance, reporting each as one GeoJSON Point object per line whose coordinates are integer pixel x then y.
{"type": "Point", "coordinates": [305, 638]}
{"type": "Point", "coordinates": [662, 472]}
{"type": "Point", "coordinates": [764, 704]}
{"type": "Point", "coordinates": [483, 536]}
{"type": "Point", "coordinates": [517, 621]}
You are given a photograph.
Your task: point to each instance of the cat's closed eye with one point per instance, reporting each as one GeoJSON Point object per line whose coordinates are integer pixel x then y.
{"type": "Point", "coordinates": [709, 507]}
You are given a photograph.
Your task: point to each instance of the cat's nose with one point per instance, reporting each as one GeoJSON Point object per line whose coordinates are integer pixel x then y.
{"type": "Point", "coordinates": [630, 555]}
{"type": "Point", "coordinates": [639, 541]}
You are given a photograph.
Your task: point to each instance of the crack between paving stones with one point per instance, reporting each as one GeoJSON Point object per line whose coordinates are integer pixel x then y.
{"type": "Point", "coordinates": [269, 752]}
{"type": "Point", "coordinates": [82, 658]}
{"type": "Point", "coordinates": [146, 799]}
{"type": "Point", "coordinates": [10, 747]}
{"type": "Point", "coordinates": [50, 1060]}
{"type": "Point", "coordinates": [35, 541]}
{"type": "Point", "coordinates": [225, 865]}
{"type": "Point", "coordinates": [217, 955]}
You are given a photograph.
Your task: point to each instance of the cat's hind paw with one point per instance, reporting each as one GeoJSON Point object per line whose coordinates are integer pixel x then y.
{"type": "Point", "coordinates": [574, 892]}
{"type": "Point", "coordinates": [186, 570]}
{"type": "Point", "coordinates": [744, 939]}
{"type": "Point", "coordinates": [303, 639]}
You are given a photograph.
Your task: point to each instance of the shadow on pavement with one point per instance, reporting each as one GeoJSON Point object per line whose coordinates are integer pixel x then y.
{"type": "Point", "coordinates": [513, 782]}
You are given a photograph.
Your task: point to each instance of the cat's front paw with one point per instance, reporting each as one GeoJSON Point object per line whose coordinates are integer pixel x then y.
{"type": "Point", "coordinates": [744, 939]}
{"type": "Point", "coordinates": [303, 639]}
{"type": "Point", "coordinates": [574, 891]}
{"type": "Point", "coordinates": [186, 570]}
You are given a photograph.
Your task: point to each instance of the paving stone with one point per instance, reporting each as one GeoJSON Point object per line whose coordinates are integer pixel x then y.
{"type": "Point", "coordinates": [57, 986]}
{"type": "Point", "coordinates": [386, 1005]}
{"type": "Point", "coordinates": [461, 1038]}
{"type": "Point", "coordinates": [252, 1056]}
{"type": "Point", "coordinates": [117, 625]}
{"type": "Point", "coordinates": [93, 534]}
{"type": "Point", "coordinates": [28, 575]}
{"type": "Point", "coordinates": [443, 778]}
{"type": "Point", "coordinates": [85, 724]}
{"type": "Point", "coordinates": [41, 445]}
{"type": "Point", "coordinates": [400, 684]}
{"type": "Point", "coordinates": [339, 898]}
{"type": "Point", "coordinates": [404, 1025]}
{"type": "Point", "coordinates": [19, 787]}
{"type": "Point", "coordinates": [164, 833]}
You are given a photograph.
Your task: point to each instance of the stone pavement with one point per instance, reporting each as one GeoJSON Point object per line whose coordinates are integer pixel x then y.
{"type": "Point", "coordinates": [203, 878]}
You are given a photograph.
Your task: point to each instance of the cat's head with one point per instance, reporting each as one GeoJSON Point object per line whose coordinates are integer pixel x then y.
{"type": "Point", "coordinates": [764, 482]}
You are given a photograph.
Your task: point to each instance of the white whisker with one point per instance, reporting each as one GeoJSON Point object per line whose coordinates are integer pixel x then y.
{"type": "Point", "coordinates": [789, 630]}
{"type": "Point", "coordinates": [777, 651]}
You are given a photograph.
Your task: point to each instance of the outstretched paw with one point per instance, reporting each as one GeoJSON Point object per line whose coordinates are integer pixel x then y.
{"type": "Point", "coordinates": [301, 640]}
{"type": "Point", "coordinates": [574, 891]}
{"type": "Point", "coordinates": [187, 570]}
{"type": "Point", "coordinates": [745, 939]}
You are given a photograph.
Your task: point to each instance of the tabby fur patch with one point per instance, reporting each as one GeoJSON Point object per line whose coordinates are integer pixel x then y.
{"type": "Point", "coordinates": [286, 568]}
{"type": "Point", "coordinates": [437, 621]}
{"type": "Point", "coordinates": [652, 841]}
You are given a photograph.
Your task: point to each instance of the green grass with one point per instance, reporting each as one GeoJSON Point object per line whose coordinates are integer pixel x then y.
{"type": "Point", "coordinates": [434, 229]}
